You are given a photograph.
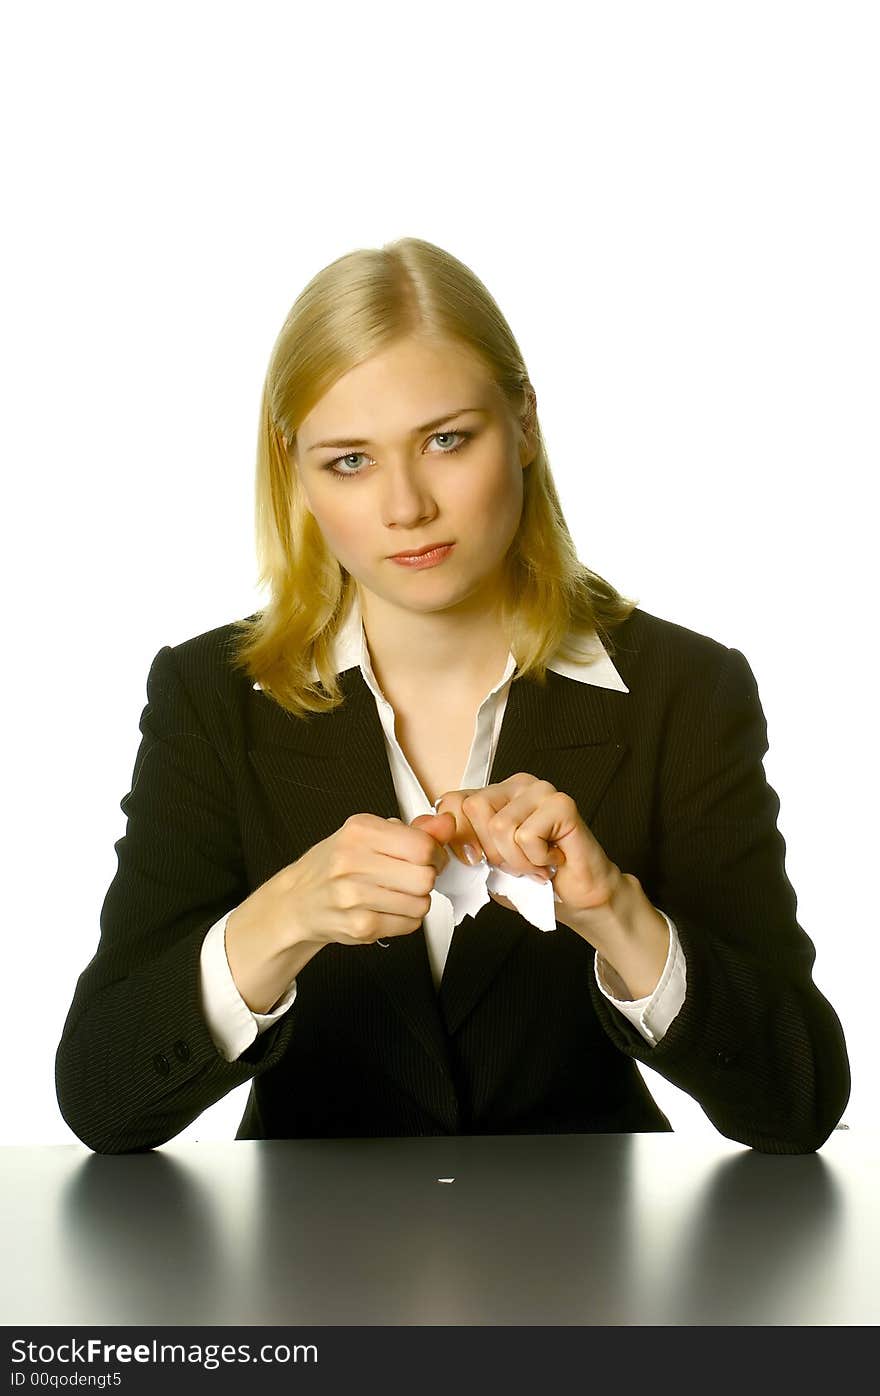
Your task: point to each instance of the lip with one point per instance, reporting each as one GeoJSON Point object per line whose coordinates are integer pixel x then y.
{"type": "Point", "coordinates": [431, 548]}
{"type": "Point", "coordinates": [424, 561]}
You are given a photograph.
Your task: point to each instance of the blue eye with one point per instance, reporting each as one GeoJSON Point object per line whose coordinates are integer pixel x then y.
{"type": "Point", "coordinates": [353, 474]}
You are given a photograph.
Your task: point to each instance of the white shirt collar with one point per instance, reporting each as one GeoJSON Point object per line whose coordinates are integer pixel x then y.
{"type": "Point", "coordinates": [593, 665]}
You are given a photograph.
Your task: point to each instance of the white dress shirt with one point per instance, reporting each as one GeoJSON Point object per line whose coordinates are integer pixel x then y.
{"type": "Point", "coordinates": [232, 1024]}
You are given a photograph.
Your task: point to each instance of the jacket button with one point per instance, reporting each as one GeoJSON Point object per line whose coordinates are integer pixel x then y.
{"type": "Point", "coordinates": [162, 1064]}
{"type": "Point", "coordinates": [181, 1050]}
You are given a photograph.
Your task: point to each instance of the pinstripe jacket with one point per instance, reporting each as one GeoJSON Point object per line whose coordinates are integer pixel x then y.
{"type": "Point", "coordinates": [228, 788]}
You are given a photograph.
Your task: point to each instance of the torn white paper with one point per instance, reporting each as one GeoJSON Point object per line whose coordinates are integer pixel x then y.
{"type": "Point", "coordinates": [468, 888]}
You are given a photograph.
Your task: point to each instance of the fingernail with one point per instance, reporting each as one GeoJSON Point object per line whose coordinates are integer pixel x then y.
{"type": "Point", "coordinates": [470, 853]}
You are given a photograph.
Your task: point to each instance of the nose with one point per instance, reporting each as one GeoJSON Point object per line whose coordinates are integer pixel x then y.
{"type": "Point", "coordinates": [407, 500]}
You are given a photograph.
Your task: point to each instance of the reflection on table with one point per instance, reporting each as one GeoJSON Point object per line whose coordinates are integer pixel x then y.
{"type": "Point", "coordinates": [532, 1229]}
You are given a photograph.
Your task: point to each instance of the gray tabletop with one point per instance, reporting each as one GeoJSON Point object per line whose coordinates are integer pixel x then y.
{"type": "Point", "coordinates": [531, 1229]}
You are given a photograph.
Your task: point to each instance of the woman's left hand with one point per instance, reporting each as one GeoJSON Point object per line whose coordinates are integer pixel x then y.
{"type": "Point", "coordinates": [526, 825]}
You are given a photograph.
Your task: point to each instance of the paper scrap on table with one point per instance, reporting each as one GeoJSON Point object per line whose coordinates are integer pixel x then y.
{"type": "Point", "coordinates": [468, 888]}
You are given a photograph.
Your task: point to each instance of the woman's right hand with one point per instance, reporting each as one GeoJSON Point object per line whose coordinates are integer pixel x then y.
{"type": "Point", "coordinates": [370, 880]}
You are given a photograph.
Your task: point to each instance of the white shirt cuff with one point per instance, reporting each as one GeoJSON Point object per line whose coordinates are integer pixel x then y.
{"type": "Point", "coordinates": [232, 1025]}
{"type": "Point", "coordinates": [651, 1015]}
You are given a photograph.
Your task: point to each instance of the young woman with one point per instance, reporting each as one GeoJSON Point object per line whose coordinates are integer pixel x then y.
{"type": "Point", "coordinates": [305, 777]}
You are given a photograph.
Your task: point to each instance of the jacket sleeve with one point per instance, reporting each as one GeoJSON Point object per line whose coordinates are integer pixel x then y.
{"type": "Point", "coordinates": [755, 1042]}
{"type": "Point", "coordinates": [136, 1062]}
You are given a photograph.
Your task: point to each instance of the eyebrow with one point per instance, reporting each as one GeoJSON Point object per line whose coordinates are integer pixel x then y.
{"type": "Point", "coordinates": [426, 426]}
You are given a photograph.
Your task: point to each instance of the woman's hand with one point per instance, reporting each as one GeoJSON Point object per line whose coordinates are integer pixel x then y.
{"type": "Point", "coordinates": [526, 825]}
{"type": "Point", "coordinates": [372, 878]}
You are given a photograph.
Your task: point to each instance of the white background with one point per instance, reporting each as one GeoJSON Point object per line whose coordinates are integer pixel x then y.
{"type": "Point", "coordinates": [676, 207]}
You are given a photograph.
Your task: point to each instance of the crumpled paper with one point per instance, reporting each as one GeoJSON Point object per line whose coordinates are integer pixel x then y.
{"type": "Point", "coordinates": [468, 888]}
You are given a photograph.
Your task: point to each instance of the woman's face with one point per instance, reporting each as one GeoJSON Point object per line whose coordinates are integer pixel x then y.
{"type": "Point", "coordinates": [422, 472]}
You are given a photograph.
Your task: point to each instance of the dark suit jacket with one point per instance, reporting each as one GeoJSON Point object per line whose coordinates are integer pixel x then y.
{"type": "Point", "coordinates": [228, 788]}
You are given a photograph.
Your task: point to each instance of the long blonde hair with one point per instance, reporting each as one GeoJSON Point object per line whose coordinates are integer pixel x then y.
{"type": "Point", "coordinates": [356, 306]}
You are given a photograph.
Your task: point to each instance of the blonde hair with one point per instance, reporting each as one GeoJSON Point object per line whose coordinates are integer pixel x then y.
{"type": "Point", "coordinates": [356, 306]}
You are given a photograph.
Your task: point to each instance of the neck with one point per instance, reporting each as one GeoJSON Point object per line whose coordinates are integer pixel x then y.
{"type": "Point", "coordinates": [438, 653]}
